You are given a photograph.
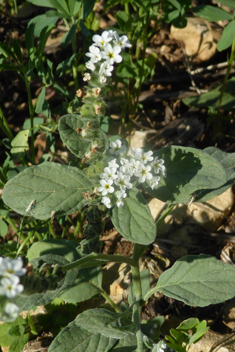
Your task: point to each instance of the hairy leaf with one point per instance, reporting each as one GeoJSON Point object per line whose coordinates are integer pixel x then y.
{"type": "Point", "coordinates": [71, 128]}
{"type": "Point", "coordinates": [197, 281]}
{"type": "Point", "coordinates": [187, 170]}
{"type": "Point", "coordinates": [46, 190]}
{"type": "Point", "coordinates": [227, 160]}
{"type": "Point", "coordinates": [134, 220]}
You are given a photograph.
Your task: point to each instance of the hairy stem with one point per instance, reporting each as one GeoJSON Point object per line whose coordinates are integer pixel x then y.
{"type": "Point", "coordinates": [31, 114]}
{"type": "Point", "coordinates": [95, 258]}
{"type": "Point", "coordinates": [138, 297]}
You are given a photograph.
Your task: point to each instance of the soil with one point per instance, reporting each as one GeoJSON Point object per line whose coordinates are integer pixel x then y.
{"type": "Point", "coordinates": [162, 113]}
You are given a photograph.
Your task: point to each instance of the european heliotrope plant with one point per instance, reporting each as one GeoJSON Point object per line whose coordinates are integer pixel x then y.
{"type": "Point", "coordinates": [113, 179]}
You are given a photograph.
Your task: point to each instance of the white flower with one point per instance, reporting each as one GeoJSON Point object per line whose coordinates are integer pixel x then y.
{"type": "Point", "coordinates": [154, 182]}
{"type": "Point", "coordinates": [9, 267]}
{"type": "Point", "coordinates": [106, 187]}
{"type": "Point", "coordinates": [103, 79]}
{"type": "Point", "coordinates": [90, 65]}
{"type": "Point", "coordinates": [119, 203]}
{"type": "Point", "coordinates": [111, 33]}
{"type": "Point", "coordinates": [123, 181]}
{"type": "Point", "coordinates": [122, 41]}
{"type": "Point", "coordinates": [120, 194]}
{"type": "Point", "coordinates": [105, 69]}
{"type": "Point", "coordinates": [158, 166]}
{"type": "Point", "coordinates": [113, 164]}
{"type": "Point", "coordinates": [94, 54]}
{"type": "Point", "coordinates": [10, 287]}
{"type": "Point", "coordinates": [133, 166]}
{"type": "Point", "coordinates": [102, 40]}
{"type": "Point", "coordinates": [144, 173]}
{"type": "Point", "coordinates": [142, 156]}
{"type": "Point", "coordinates": [109, 173]}
{"type": "Point", "coordinates": [106, 201]}
{"type": "Point", "coordinates": [11, 311]}
{"type": "Point", "coordinates": [117, 148]}
{"type": "Point", "coordinates": [86, 77]}
{"type": "Point", "coordinates": [111, 54]}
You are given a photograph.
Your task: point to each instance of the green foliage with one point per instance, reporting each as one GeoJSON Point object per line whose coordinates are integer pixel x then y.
{"type": "Point", "coordinates": [134, 220]}
{"type": "Point", "coordinates": [188, 170]}
{"type": "Point", "coordinates": [47, 189]}
{"type": "Point", "coordinates": [187, 333]}
{"type": "Point", "coordinates": [95, 329]}
{"type": "Point", "coordinates": [211, 99]}
{"type": "Point", "coordinates": [14, 335]}
{"type": "Point", "coordinates": [197, 281]}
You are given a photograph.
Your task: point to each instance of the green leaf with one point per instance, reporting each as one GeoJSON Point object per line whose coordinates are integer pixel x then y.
{"type": "Point", "coordinates": [87, 7]}
{"type": "Point", "coordinates": [60, 5]}
{"type": "Point", "coordinates": [41, 99]}
{"type": "Point", "coordinates": [197, 281]}
{"type": "Point", "coordinates": [74, 338]}
{"type": "Point", "coordinates": [211, 13]}
{"type": "Point", "coordinates": [101, 321]}
{"type": "Point", "coordinates": [69, 35]}
{"type": "Point", "coordinates": [211, 99]}
{"type": "Point", "coordinates": [227, 161]}
{"type": "Point", "coordinates": [47, 189]}
{"type": "Point", "coordinates": [20, 143]}
{"type": "Point", "coordinates": [64, 248]}
{"type": "Point", "coordinates": [228, 36]}
{"type": "Point", "coordinates": [42, 21]}
{"type": "Point", "coordinates": [128, 344]}
{"type": "Point", "coordinates": [17, 50]}
{"type": "Point", "coordinates": [36, 121]}
{"type": "Point", "coordinates": [85, 286]}
{"type": "Point", "coordinates": [69, 126]}
{"type": "Point", "coordinates": [74, 6]}
{"type": "Point", "coordinates": [3, 228]}
{"type": "Point", "coordinates": [188, 170]}
{"type": "Point", "coordinates": [188, 324]}
{"type": "Point", "coordinates": [19, 342]}
{"type": "Point", "coordinates": [29, 40]}
{"type": "Point", "coordinates": [134, 220]}
{"type": "Point", "coordinates": [41, 289]}
{"type": "Point", "coordinates": [228, 3]}
{"type": "Point", "coordinates": [65, 65]}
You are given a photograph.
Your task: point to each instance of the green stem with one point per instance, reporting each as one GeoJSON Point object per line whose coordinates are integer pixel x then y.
{"type": "Point", "coordinates": [11, 223]}
{"type": "Point", "coordinates": [24, 243]}
{"type": "Point", "coordinates": [93, 257]}
{"type": "Point", "coordinates": [219, 120]}
{"type": "Point", "coordinates": [4, 126]}
{"type": "Point", "coordinates": [164, 215]}
{"type": "Point", "coordinates": [52, 232]}
{"type": "Point", "coordinates": [138, 297]}
{"type": "Point", "coordinates": [31, 114]}
{"type": "Point", "coordinates": [110, 301]}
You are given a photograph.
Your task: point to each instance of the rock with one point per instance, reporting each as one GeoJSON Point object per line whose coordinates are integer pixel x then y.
{"type": "Point", "coordinates": [208, 215]}
{"type": "Point", "coordinates": [199, 38]}
{"type": "Point", "coordinates": [213, 341]}
{"type": "Point", "coordinates": [228, 316]}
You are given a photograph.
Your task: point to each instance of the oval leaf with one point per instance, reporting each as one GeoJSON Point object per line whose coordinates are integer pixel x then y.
{"type": "Point", "coordinates": [227, 37]}
{"type": "Point", "coordinates": [70, 132]}
{"type": "Point", "coordinates": [212, 13]}
{"type": "Point", "coordinates": [197, 281]}
{"type": "Point", "coordinates": [134, 220]}
{"type": "Point", "coordinates": [188, 170]}
{"type": "Point", "coordinates": [74, 338]}
{"type": "Point", "coordinates": [47, 190]}
{"type": "Point", "coordinates": [227, 160]}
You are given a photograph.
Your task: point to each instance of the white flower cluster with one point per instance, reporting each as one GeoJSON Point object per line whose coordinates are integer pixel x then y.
{"type": "Point", "coordinates": [10, 270]}
{"type": "Point", "coordinates": [104, 52]}
{"type": "Point", "coordinates": [125, 170]}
